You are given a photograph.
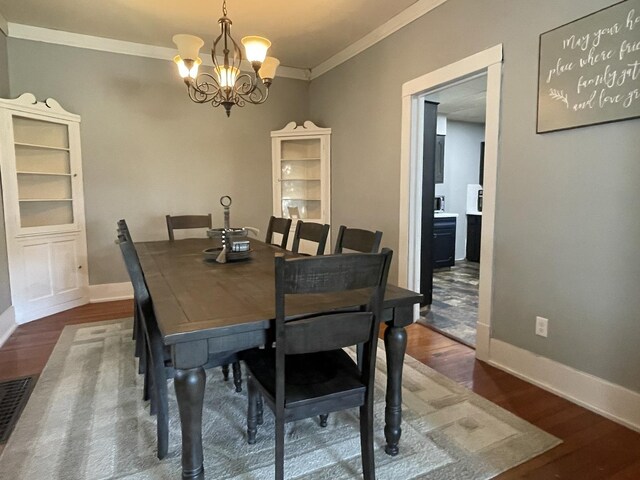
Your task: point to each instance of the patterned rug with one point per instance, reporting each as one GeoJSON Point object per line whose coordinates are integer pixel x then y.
{"type": "Point", "coordinates": [86, 420]}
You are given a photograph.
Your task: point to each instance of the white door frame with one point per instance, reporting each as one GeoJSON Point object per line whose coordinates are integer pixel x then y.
{"type": "Point", "coordinates": [413, 93]}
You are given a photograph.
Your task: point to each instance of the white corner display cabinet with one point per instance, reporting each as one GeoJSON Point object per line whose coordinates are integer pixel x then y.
{"type": "Point", "coordinates": [41, 169]}
{"type": "Point", "coordinates": [302, 176]}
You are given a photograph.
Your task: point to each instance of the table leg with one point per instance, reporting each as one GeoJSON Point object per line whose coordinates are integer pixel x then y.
{"type": "Point", "coordinates": [189, 385]}
{"type": "Point", "coordinates": [395, 342]}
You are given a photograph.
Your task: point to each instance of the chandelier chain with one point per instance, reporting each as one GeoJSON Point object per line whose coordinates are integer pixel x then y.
{"type": "Point", "coordinates": [224, 8]}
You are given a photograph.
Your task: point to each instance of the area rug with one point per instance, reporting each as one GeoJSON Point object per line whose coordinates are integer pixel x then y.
{"type": "Point", "coordinates": [86, 420]}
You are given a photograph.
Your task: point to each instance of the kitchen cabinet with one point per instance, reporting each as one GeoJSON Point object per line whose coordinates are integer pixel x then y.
{"type": "Point", "coordinates": [301, 158]}
{"type": "Point", "coordinates": [41, 170]}
{"type": "Point", "coordinates": [444, 241]}
{"type": "Point", "coordinates": [474, 232]}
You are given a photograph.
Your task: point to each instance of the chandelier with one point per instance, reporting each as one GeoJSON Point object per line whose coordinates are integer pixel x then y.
{"type": "Point", "coordinates": [228, 86]}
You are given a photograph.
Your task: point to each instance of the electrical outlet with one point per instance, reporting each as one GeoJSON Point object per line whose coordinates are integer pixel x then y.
{"type": "Point", "coordinates": [541, 326]}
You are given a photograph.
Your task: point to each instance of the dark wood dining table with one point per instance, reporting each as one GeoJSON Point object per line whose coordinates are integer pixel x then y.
{"type": "Point", "coordinates": [206, 309]}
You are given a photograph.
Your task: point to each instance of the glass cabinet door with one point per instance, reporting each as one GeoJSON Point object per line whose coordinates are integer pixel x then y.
{"type": "Point", "coordinates": [300, 179]}
{"type": "Point", "coordinates": [43, 170]}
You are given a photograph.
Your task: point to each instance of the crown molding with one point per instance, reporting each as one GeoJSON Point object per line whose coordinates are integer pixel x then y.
{"type": "Point", "coordinates": [4, 25]}
{"type": "Point", "coordinates": [89, 42]}
{"type": "Point", "coordinates": [59, 37]}
{"type": "Point", "coordinates": [404, 18]}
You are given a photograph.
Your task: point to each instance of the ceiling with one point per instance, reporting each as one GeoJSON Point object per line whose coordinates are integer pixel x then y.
{"type": "Point", "coordinates": [463, 102]}
{"type": "Point", "coordinates": [304, 33]}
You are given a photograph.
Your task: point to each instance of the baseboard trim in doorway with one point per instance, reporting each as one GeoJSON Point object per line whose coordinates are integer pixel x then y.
{"type": "Point", "coordinates": [593, 393]}
{"type": "Point", "coordinates": [424, 323]}
{"type": "Point", "coordinates": [110, 292]}
{"type": "Point", "coordinates": [7, 324]}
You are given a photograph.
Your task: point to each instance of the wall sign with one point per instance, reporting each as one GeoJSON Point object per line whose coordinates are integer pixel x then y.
{"type": "Point", "coordinates": [589, 70]}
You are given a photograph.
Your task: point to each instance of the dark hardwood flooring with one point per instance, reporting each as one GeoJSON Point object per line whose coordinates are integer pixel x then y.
{"type": "Point", "coordinates": [594, 447]}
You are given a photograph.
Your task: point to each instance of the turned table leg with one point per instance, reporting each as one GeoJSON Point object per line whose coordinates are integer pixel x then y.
{"type": "Point", "coordinates": [189, 385]}
{"type": "Point", "coordinates": [395, 342]}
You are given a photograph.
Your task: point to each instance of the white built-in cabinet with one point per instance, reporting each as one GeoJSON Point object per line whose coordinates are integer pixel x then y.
{"type": "Point", "coordinates": [301, 156]}
{"type": "Point", "coordinates": [41, 169]}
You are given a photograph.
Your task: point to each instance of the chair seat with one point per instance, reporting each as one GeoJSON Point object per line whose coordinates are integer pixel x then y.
{"type": "Point", "coordinates": [310, 377]}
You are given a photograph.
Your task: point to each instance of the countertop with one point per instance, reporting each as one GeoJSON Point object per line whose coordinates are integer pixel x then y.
{"type": "Point", "coordinates": [444, 215]}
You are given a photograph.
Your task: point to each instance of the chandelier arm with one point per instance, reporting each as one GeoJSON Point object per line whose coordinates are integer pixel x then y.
{"type": "Point", "coordinates": [257, 96]}
{"type": "Point", "coordinates": [246, 84]}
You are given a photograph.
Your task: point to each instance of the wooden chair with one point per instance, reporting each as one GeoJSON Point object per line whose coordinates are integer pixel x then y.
{"type": "Point", "coordinates": [281, 226]}
{"type": "Point", "coordinates": [358, 240]}
{"type": "Point", "coordinates": [156, 355]}
{"type": "Point", "coordinates": [308, 372]}
{"type": "Point", "coordinates": [183, 222]}
{"type": "Point", "coordinates": [314, 232]}
{"type": "Point", "coordinates": [159, 365]}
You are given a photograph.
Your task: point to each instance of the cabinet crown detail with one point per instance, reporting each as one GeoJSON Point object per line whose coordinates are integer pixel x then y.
{"type": "Point", "coordinates": [27, 102]}
{"type": "Point", "coordinates": [307, 128]}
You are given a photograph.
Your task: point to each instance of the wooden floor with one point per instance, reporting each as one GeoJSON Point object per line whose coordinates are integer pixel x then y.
{"type": "Point", "coordinates": [593, 448]}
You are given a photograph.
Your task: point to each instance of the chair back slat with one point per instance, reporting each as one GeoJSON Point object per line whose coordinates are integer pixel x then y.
{"type": "Point", "coordinates": [281, 226]}
{"type": "Point", "coordinates": [123, 228]}
{"type": "Point", "coordinates": [182, 222]}
{"type": "Point", "coordinates": [313, 232]}
{"type": "Point", "coordinates": [331, 273]}
{"type": "Point", "coordinates": [358, 240]}
{"type": "Point", "coordinates": [327, 332]}
{"type": "Point", "coordinates": [132, 263]}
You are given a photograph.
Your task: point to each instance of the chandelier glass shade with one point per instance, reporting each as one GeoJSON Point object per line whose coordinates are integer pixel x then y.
{"type": "Point", "coordinates": [228, 85]}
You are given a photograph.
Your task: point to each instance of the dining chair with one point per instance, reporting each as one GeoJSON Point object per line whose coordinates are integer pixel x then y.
{"type": "Point", "coordinates": [156, 351]}
{"type": "Point", "coordinates": [159, 365]}
{"type": "Point", "coordinates": [281, 226]}
{"type": "Point", "coordinates": [313, 232]}
{"type": "Point", "coordinates": [358, 240]}
{"type": "Point", "coordinates": [308, 371]}
{"type": "Point", "coordinates": [183, 222]}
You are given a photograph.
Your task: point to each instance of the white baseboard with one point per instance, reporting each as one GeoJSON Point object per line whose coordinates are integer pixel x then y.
{"type": "Point", "coordinates": [7, 324]}
{"type": "Point", "coordinates": [29, 315]}
{"type": "Point", "coordinates": [109, 292]}
{"type": "Point", "coordinates": [593, 393]}
{"type": "Point", "coordinates": [483, 339]}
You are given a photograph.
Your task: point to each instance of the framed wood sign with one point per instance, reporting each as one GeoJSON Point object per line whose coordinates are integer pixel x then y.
{"type": "Point", "coordinates": [589, 70]}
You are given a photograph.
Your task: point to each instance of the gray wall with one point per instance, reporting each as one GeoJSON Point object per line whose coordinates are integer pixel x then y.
{"type": "Point", "coordinates": [148, 150]}
{"type": "Point", "coordinates": [567, 229]}
{"type": "Point", "coordinates": [5, 292]}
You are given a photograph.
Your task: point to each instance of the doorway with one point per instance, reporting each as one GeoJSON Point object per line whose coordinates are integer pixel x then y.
{"type": "Point", "coordinates": [454, 131]}
{"type": "Point", "coordinates": [414, 92]}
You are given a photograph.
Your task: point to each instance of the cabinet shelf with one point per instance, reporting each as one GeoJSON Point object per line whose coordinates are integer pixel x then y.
{"type": "Point", "coordinates": [297, 179]}
{"type": "Point", "coordinates": [44, 147]}
{"type": "Point", "coordinates": [45, 200]}
{"type": "Point", "coordinates": [298, 159]}
{"type": "Point", "coordinates": [45, 173]}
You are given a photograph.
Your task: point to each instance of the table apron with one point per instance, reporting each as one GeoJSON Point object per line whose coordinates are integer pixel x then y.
{"type": "Point", "coordinates": [196, 353]}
